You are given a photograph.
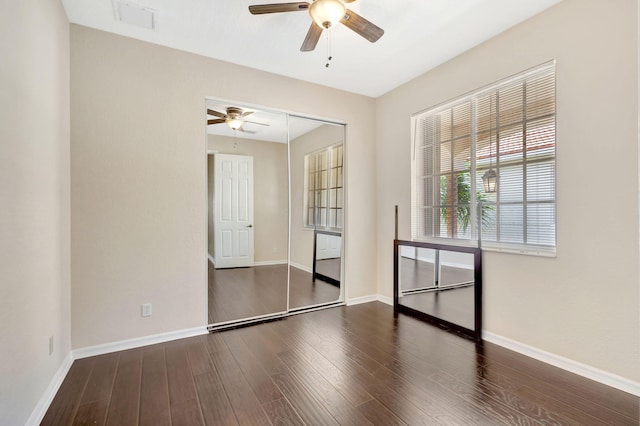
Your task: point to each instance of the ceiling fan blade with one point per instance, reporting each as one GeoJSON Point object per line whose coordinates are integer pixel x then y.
{"type": "Point", "coordinates": [245, 131]}
{"type": "Point", "coordinates": [255, 122]}
{"type": "Point", "coordinates": [259, 9]}
{"type": "Point", "coordinates": [361, 26]}
{"type": "Point", "coordinates": [216, 121]}
{"type": "Point", "coordinates": [244, 114]}
{"type": "Point", "coordinates": [311, 40]}
{"type": "Point", "coordinates": [216, 113]}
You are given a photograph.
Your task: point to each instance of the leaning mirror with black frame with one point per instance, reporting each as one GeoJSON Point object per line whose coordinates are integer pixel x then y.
{"type": "Point", "coordinates": [441, 284]}
{"type": "Point", "coordinates": [316, 266]}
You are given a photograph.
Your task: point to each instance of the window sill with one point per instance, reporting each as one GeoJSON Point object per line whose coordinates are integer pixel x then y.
{"type": "Point", "coordinates": [539, 252]}
{"type": "Point", "coordinates": [322, 228]}
{"type": "Point", "coordinates": [549, 252]}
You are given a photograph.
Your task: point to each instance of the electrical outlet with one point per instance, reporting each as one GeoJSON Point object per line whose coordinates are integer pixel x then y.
{"type": "Point", "coordinates": [51, 345]}
{"type": "Point", "coordinates": [146, 310]}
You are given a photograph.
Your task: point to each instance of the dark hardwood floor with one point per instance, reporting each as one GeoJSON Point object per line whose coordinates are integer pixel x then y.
{"type": "Point", "coordinates": [354, 365]}
{"type": "Point", "coordinates": [238, 293]}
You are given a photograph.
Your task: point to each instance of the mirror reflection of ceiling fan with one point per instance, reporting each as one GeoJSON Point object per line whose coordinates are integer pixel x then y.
{"type": "Point", "coordinates": [234, 118]}
{"type": "Point", "coordinates": [325, 14]}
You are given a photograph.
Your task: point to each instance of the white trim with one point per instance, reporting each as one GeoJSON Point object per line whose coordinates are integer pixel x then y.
{"type": "Point", "coordinates": [313, 308]}
{"type": "Point", "coordinates": [137, 342]}
{"type": "Point", "coordinates": [570, 365]}
{"type": "Point", "coordinates": [523, 250]}
{"type": "Point", "coordinates": [384, 299]}
{"type": "Point", "coordinates": [270, 262]}
{"type": "Point", "coordinates": [370, 298]}
{"type": "Point", "coordinates": [47, 397]}
{"type": "Point", "coordinates": [260, 263]}
{"type": "Point", "coordinates": [301, 267]}
{"type": "Point", "coordinates": [362, 299]}
{"type": "Point", "coordinates": [243, 321]}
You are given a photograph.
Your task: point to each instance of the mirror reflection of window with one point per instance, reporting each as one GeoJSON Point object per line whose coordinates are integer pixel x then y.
{"type": "Point", "coordinates": [324, 188]}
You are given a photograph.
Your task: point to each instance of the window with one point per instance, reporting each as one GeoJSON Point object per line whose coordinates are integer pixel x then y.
{"type": "Point", "coordinates": [508, 128]}
{"type": "Point", "coordinates": [323, 188]}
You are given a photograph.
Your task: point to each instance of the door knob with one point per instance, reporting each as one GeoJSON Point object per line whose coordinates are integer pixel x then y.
{"type": "Point", "coordinates": [249, 226]}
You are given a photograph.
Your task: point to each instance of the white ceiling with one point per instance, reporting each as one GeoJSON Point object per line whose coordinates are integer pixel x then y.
{"type": "Point", "coordinates": [419, 35]}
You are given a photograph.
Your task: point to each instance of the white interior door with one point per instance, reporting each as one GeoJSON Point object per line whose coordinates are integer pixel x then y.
{"type": "Point", "coordinates": [233, 210]}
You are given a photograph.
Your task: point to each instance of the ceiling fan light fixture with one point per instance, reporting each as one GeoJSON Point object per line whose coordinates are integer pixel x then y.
{"type": "Point", "coordinates": [234, 123]}
{"type": "Point", "coordinates": [327, 13]}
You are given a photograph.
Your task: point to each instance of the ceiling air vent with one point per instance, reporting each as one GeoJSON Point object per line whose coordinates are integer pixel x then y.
{"type": "Point", "coordinates": [137, 15]}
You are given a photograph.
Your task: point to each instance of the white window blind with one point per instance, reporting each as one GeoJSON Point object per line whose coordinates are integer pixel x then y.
{"type": "Point", "coordinates": [324, 194]}
{"type": "Point", "coordinates": [508, 127]}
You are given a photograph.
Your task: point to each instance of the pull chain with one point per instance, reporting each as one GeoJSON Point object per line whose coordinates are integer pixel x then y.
{"type": "Point", "coordinates": [329, 57]}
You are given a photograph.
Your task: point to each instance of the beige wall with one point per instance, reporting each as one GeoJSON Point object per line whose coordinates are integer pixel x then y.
{"type": "Point", "coordinates": [583, 304]}
{"type": "Point", "coordinates": [301, 237]}
{"type": "Point", "coordinates": [270, 194]}
{"type": "Point", "coordinates": [138, 170]}
{"type": "Point", "coordinates": [34, 194]}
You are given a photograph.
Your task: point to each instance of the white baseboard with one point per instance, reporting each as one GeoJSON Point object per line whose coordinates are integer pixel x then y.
{"type": "Point", "coordinates": [270, 262]}
{"type": "Point", "coordinates": [261, 263]}
{"type": "Point", "coordinates": [47, 397]}
{"type": "Point", "coordinates": [362, 299]}
{"type": "Point", "coordinates": [575, 367]}
{"type": "Point", "coordinates": [302, 267]}
{"type": "Point", "coordinates": [385, 299]}
{"type": "Point", "coordinates": [370, 298]}
{"type": "Point", "coordinates": [137, 342]}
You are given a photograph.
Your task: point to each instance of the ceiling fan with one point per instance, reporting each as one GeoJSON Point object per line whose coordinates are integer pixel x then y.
{"type": "Point", "coordinates": [325, 14]}
{"type": "Point", "coordinates": [234, 118]}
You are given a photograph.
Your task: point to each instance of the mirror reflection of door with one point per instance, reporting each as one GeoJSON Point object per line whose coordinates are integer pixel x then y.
{"type": "Point", "coordinates": [317, 212]}
{"type": "Point", "coordinates": [233, 211]}
{"type": "Point", "coordinates": [247, 247]}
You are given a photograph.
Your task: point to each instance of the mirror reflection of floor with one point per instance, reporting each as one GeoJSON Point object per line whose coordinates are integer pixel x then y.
{"type": "Point", "coordinates": [454, 305]}
{"type": "Point", "coordinates": [329, 268]}
{"type": "Point", "coordinates": [304, 292]}
{"type": "Point", "coordinates": [238, 293]}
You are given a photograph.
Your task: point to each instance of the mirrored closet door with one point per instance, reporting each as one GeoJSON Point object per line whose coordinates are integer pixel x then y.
{"type": "Point", "coordinates": [317, 212]}
{"type": "Point", "coordinates": [275, 208]}
{"type": "Point", "coordinates": [248, 212]}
